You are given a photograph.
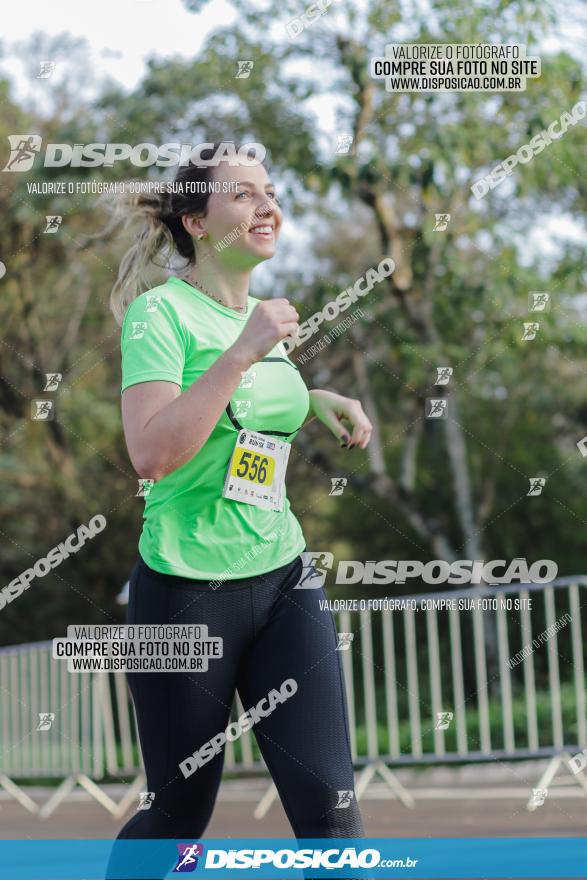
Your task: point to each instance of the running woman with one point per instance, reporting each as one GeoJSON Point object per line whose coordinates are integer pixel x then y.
{"type": "Point", "coordinates": [208, 396]}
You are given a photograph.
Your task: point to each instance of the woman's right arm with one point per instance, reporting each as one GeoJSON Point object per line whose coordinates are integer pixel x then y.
{"type": "Point", "coordinates": [164, 427]}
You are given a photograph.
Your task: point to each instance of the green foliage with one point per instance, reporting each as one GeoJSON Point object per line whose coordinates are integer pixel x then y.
{"type": "Point", "coordinates": [457, 298]}
{"type": "Point", "coordinates": [472, 726]}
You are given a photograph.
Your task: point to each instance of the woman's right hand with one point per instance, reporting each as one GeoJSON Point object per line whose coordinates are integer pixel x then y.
{"type": "Point", "coordinates": [270, 322]}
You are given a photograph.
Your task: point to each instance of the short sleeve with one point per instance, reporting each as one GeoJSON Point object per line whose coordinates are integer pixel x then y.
{"type": "Point", "coordinates": [153, 342]}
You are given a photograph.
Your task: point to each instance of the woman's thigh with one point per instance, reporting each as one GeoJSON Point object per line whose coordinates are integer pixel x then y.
{"type": "Point", "coordinates": [178, 712]}
{"type": "Point", "coordinates": [305, 738]}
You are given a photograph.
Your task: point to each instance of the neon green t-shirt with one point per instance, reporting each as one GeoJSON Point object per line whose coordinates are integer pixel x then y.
{"type": "Point", "coordinates": [174, 333]}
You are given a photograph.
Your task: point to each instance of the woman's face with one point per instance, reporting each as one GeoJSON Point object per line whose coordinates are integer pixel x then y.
{"type": "Point", "coordinates": [243, 220]}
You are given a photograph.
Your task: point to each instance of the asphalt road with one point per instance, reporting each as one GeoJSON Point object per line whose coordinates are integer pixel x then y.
{"type": "Point", "coordinates": [438, 813]}
{"type": "Point", "coordinates": [83, 818]}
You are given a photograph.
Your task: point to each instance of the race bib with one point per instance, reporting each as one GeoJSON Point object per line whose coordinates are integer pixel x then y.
{"type": "Point", "coordinates": [256, 471]}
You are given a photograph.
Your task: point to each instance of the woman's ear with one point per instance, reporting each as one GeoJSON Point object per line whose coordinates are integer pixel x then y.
{"type": "Point", "coordinates": [193, 225]}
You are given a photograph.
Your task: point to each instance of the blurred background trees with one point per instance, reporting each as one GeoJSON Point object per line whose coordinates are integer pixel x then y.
{"type": "Point", "coordinates": [453, 488]}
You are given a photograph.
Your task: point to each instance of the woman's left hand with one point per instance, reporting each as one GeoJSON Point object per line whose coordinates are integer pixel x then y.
{"type": "Point", "coordinates": [333, 410]}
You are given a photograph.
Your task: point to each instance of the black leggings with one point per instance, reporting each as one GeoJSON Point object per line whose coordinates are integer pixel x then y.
{"type": "Point", "coordinates": [270, 633]}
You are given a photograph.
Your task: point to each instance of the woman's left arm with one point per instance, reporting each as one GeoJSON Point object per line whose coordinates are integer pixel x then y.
{"type": "Point", "coordinates": [336, 412]}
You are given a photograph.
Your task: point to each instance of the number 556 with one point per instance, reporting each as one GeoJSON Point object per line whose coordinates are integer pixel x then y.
{"type": "Point", "coordinates": [253, 466]}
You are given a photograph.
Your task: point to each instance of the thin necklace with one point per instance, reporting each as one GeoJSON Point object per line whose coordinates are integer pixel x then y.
{"type": "Point", "coordinates": [217, 298]}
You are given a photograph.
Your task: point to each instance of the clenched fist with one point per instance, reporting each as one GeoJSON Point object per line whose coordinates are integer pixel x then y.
{"type": "Point", "coordinates": [270, 322]}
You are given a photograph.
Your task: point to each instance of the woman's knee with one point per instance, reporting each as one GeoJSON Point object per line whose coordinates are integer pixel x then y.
{"type": "Point", "coordinates": [326, 812]}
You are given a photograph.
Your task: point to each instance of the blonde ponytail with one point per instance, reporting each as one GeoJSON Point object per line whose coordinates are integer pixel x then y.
{"type": "Point", "coordinates": [153, 240]}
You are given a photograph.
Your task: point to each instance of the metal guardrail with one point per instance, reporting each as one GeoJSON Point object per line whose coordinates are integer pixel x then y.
{"type": "Point", "coordinates": [396, 667]}
{"type": "Point", "coordinates": [441, 667]}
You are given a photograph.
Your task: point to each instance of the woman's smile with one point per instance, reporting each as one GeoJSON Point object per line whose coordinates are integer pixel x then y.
{"type": "Point", "coordinates": [263, 231]}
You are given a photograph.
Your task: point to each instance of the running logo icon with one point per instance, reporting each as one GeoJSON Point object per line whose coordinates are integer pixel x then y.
{"type": "Point", "coordinates": [538, 301]}
{"type": "Point", "coordinates": [344, 641]}
{"type": "Point", "coordinates": [443, 375]}
{"type": "Point", "coordinates": [343, 143]}
{"type": "Point", "coordinates": [436, 408]}
{"type": "Point", "coordinates": [247, 378]}
{"type": "Point", "coordinates": [52, 381]}
{"type": "Point", "coordinates": [152, 303]}
{"type": "Point", "coordinates": [146, 798]}
{"type": "Point", "coordinates": [442, 221]}
{"type": "Point", "coordinates": [344, 799]}
{"type": "Point", "coordinates": [188, 857]}
{"type": "Point", "coordinates": [241, 408]}
{"type": "Point", "coordinates": [23, 149]}
{"type": "Point", "coordinates": [42, 411]}
{"type": "Point", "coordinates": [313, 574]}
{"type": "Point", "coordinates": [443, 720]}
{"type": "Point", "coordinates": [46, 719]}
{"type": "Point", "coordinates": [537, 484]}
{"type": "Point", "coordinates": [244, 69]}
{"type": "Point", "coordinates": [531, 328]}
{"type": "Point", "coordinates": [53, 223]}
{"type": "Point", "coordinates": [338, 485]}
{"type": "Point", "coordinates": [145, 486]}
{"type": "Point", "coordinates": [138, 329]}
{"type": "Point", "coordinates": [46, 68]}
